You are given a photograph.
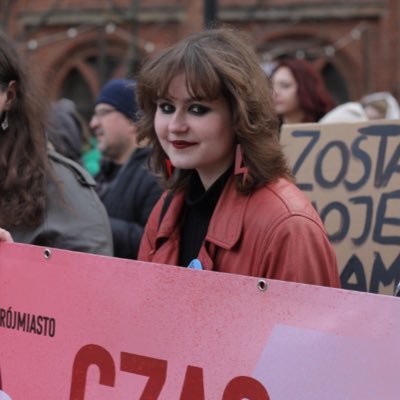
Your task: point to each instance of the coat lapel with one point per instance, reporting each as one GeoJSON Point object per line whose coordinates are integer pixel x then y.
{"type": "Point", "coordinates": [227, 221]}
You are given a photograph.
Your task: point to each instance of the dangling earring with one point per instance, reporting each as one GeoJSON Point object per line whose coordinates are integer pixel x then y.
{"type": "Point", "coordinates": [4, 124]}
{"type": "Point", "coordinates": [239, 167]}
{"type": "Point", "coordinates": [170, 168]}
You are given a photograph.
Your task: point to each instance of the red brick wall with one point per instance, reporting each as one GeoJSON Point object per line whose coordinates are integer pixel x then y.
{"type": "Point", "coordinates": [368, 64]}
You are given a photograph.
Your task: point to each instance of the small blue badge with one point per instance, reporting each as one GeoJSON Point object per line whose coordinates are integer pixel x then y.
{"type": "Point", "coordinates": [195, 264]}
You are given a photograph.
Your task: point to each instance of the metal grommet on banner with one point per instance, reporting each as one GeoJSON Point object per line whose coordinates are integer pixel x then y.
{"type": "Point", "coordinates": [262, 285]}
{"type": "Point", "coordinates": [47, 253]}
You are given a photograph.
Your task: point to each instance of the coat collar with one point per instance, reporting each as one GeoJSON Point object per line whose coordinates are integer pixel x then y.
{"type": "Point", "coordinates": [226, 223]}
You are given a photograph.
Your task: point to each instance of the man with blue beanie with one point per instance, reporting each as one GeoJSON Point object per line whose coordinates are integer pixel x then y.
{"type": "Point", "coordinates": [126, 187]}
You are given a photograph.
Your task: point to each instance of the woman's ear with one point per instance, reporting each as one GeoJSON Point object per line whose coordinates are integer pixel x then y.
{"type": "Point", "coordinates": [11, 93]}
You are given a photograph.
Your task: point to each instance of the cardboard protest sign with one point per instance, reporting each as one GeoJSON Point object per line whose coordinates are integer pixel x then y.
{"type": "Point", "coordinates": [351, 173]}
{"type": "Point", "coordinates": [84, 327]}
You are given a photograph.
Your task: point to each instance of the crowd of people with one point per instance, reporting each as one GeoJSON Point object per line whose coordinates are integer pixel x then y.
{"type": "Point", "coordinates": [192, 170]}
{"type": "Point", "coordinates": [301, 96]}
{"type": "Point", "coordinates": [126, 187]}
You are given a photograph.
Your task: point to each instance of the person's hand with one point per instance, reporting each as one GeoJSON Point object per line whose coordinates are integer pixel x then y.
{"type": "Point", "coordinates": [5, 236]}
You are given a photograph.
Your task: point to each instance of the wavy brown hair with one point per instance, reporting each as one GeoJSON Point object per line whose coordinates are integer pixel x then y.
{"type": "Point", "coordinates": [23, 157]}
{"type": "Point", "coordinates": [217, 62]}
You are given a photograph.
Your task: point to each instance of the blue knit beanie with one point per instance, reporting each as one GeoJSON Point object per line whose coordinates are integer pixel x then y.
{"type": "Point", "coordinates": [121, 94]}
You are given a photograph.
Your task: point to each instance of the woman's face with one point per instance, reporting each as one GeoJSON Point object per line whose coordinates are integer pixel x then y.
{"type": "Point", "coordinates": [195, 134]}
{"type": "Point", "coordinates": [285, 92]}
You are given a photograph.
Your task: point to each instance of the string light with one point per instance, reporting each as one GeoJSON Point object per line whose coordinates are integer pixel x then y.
{"type": "Point", "coordinates": [32, 44]}
{"type": "Point", "coordinates": [315, 51]}
{"type": "Point", "coordinates": [356, 34]}
{"type": "Point", "coordinates": [110, 28]}
{"type": "Point", "coordinates": [73, 32]}
{"type": "Point", "coordinates": [70, 33]}
{"type": "Point", "coordinates": [149, 47]}
{"type": "Point", "coordinates": [332, 49]}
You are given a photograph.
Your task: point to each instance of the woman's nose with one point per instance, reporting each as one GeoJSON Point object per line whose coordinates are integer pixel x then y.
{"type": "Point", "coordinates": [178, 122]}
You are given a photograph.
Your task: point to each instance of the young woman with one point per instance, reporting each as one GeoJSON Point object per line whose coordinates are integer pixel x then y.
{"type": "Point", "coordinates": [299, 92]}
{"type": "Point", "coordinates": [231, 204]}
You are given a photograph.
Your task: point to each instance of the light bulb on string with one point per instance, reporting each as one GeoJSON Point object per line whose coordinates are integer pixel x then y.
{"type": "Point", "coordinates": [330, 51]}
{"type": "Point", "coordinates": [110, 28]}
{"type": "Point", "coordinates": [32, 44]}
{"type": "Point", "coordinates": [72, 33]}
{"type": "Point", "coordinates": [355, 34]}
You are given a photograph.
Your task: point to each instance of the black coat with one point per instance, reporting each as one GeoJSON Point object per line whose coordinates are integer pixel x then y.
{"type": "Point", "coordinates": [129, 199]}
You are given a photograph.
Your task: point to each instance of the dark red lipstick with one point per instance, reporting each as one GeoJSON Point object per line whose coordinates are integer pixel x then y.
{"type": "Point", "coordinates": [182, 144]}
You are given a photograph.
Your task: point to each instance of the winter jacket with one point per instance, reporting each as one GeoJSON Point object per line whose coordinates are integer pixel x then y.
{"type": "Point", "coordinates": [129, 199]}
{"type": "Point", "coordinates": [272, 233]}
{"type": "Point", "coordinates": [75, 218]}
{"type": "Point", "coordinates": [66, 129]}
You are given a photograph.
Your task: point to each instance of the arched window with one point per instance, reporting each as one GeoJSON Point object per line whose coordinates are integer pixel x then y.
{"type": "Point", "coordinates": [76, 88]}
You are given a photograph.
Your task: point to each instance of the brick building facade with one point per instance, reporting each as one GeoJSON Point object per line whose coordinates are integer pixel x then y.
{"type": "Point", "coordinates": [79, 44]}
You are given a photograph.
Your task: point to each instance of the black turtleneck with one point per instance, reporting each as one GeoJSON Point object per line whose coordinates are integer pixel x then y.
{"type": "Point", "coordinates": [199, 207]}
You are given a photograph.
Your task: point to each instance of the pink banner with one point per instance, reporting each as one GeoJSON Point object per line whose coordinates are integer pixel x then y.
{"type": "Point", "coordinates": [83, 327]}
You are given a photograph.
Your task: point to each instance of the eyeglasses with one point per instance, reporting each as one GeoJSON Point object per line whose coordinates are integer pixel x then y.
{"type": "Point", "coordinates": [101, 112]}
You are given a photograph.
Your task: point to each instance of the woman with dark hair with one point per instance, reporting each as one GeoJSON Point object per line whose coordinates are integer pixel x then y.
{"type": "Point", "coordinates": [45, 199]}
{"type": "Point", "coordinates": [299, 92]}
{"type": "Point", "coordinates": [231, 204]}
{"type": "Point", "coordinates": [24, 164]}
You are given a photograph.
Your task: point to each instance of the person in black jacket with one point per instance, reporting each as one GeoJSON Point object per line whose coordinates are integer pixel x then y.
{"type": "Point", "coordinates": [125, 185]}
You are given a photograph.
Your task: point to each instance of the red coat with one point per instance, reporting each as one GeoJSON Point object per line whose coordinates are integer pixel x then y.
{"type": "Point", "coordinates": [274, 233]}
